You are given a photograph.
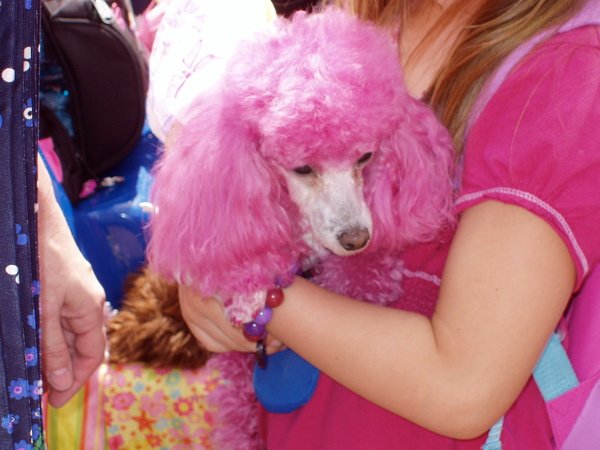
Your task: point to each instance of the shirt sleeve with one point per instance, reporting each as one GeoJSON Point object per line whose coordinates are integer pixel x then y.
{"type": "Point", "coordinates": [537, 143]}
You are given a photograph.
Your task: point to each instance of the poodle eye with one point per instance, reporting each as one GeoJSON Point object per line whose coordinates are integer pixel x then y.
{"type": "Point", "coordinates": [303, 170]}
{"type": "Point", "coordinates": [364, 158]}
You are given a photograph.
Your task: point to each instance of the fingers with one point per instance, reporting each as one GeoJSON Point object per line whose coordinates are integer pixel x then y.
{"type": "Point", "coordinates": [206, 320]}
{"type": "Point", "coordinates": [73, 337]}
{"type": "Point", "coordinates": [86, 355]}
{"type": "Point", "coordinates": [57, 363]}
{"type": "Point", "coordinates": [84, 369]}
{"type": "Point", "coordinates": [273, 345]}
{"type": "Point", "coordinates": [70, 360]}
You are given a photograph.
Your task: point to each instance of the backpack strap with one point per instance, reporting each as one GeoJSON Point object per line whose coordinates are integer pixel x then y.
{"type": "Point", "coordinates": [493, 439]}
{"type": "Point", "coordinates": [589, 14]}
{"type": "Point", "coordinates": [553, 374]}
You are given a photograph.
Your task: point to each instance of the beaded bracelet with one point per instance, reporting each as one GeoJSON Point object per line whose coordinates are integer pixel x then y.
{"type": "Point", "coordinates": [256, 330]}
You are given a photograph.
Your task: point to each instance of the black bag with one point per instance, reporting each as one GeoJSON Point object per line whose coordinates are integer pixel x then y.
{"type": "Point", "coordinates": [93, 83]}
{"type": "Point", "coordinates": [288, 7]}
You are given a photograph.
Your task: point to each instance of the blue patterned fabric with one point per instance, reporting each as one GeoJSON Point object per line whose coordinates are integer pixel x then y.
{"type": "Point", "coordinates": [20, 380]}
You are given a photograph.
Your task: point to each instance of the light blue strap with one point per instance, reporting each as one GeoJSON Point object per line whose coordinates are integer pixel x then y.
{"type": "Point", "coordinates": [554, 373]}
{"type": "Point", "coordinates": [493, 440]}
{"type": "Point", "coordinates": [554, 376]}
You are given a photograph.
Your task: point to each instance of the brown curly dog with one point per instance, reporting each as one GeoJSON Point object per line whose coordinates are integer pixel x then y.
{"type": "Point", "coordinates": [148, 327]}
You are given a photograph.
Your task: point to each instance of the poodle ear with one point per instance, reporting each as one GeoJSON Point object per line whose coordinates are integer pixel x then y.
{"type": "Point", "coordinates": [409, 183]}
{"type": "Point", "coordinates": [220, 224]}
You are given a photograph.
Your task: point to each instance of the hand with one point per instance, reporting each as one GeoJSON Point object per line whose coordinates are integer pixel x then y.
{"type": "Point", "coordinates": [207, 321]}
{"type": "Point", "coordinates": [72, 303]}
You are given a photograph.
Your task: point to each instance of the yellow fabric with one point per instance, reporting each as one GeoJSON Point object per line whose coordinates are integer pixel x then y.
{"type": "Point", "coordinates": [78, 425]}
{"type": "Point", "coordinates": [63, 426]}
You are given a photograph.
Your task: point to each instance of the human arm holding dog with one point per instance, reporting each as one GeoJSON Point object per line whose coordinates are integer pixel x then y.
{"type": "Point", "coordinates": [454, 362]}
{"type": "Point", "coordinates": [510, 272]}
{"type": "Point", "coordinates": [72, 302]}
{"type": "Point", "coordinates": [459, 354]}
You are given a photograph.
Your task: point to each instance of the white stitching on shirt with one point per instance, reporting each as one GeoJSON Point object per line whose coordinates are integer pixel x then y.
{"type": "Point", "coordinates": [536, 201]}
{"type": "Point", "coordinates": [422, 275]}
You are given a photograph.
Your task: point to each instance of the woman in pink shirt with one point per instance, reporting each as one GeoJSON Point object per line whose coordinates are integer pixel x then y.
{"type": "Point", "coordinates": [479, 305]}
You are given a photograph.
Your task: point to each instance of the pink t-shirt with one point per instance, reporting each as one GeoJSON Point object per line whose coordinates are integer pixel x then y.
{"type": "Point", "coordinates": [536, 145]}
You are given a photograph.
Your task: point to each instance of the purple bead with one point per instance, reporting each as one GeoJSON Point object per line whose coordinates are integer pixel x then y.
{"type": "Point", "coordinates": [283, 281]}
{"type": "Point", "coordinates": [295, 268]}
{"type": "Point", "coordinates": [253, 331]}
{"type": "Point", "coordinates": [263, 317]}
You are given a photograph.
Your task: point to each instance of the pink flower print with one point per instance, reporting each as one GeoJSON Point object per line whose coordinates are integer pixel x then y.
{"type": "Point", "coordinates": [163, 370]}
{"type": "Point", "coordinates": [195, 376]}
{"type": "Point", "coordinates": [184, 407]}
{"type": "Point", "coordinates": [116, 376]}
{"type": "Point", "coordinates": [205, 441]}
{"type": "Point", "coordinates": [182, 437]}
{"type": "Point", "coordinates": [137, 370]}
{"type": "Point", "coordinates": [211, 384]}
{"type": "Point", "coordinates": [190, 439]}
{"type": "Point", "coordinates": [155, 406]}
{"type": "Point", "coordinates": [116, 442]}
{"type": "Point", "coordinates": [123, 400]}
{"type": "Point", "coordinates": [153, 440]}
{"type": "Point", "coordinates": [108, 419]}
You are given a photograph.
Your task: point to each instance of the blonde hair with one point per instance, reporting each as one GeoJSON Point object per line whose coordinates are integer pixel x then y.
{"type": "Point", "coordinates": [496, 29]}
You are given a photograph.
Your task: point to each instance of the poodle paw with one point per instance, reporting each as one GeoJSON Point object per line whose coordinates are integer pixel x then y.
{"type": "Point", "coordinates": [242, 308]}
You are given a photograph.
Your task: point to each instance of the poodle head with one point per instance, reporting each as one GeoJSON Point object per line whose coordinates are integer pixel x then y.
{"type": "Point", "coordinates": [320, 95]}
{"type": "Point", "coordinates": [282, 151]}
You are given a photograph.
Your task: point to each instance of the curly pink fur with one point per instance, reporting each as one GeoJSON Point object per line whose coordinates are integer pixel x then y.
{"type": "Point", "coordinates": [316, 90]}
{"type": "Point", "coordinates": [312, 90]}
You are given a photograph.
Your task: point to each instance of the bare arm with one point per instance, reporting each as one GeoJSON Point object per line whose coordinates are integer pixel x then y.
{"type": "Point", "coordinates": [72, 302]}
{"type": "Point", "coordinates": [507, 280]}
{"type": "Point", "coordinates": [506, 283]}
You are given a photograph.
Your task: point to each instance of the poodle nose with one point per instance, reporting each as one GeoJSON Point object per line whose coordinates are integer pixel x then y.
{"type": "Point", "coordinates": [354, 238]}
